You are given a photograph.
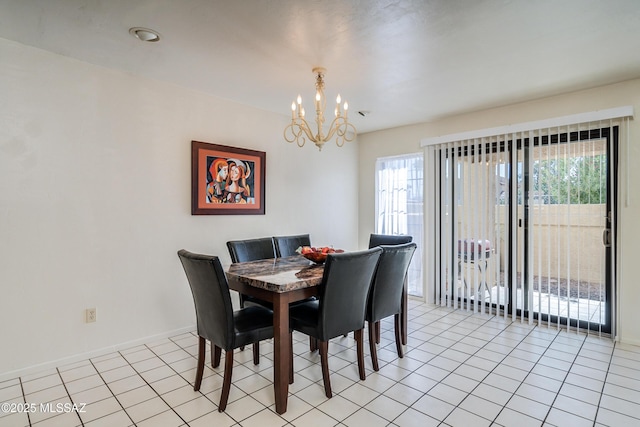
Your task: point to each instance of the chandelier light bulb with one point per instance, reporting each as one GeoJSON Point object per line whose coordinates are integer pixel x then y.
{"type": "Point", "coordinates": [299, 100]}
{"type": "Point", "coordinates": [338, 99]}
{"type": "Point", "coordinates": [346, 106]}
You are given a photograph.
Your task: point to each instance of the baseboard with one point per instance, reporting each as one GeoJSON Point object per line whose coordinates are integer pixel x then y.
{"type": "Point", "coordinates": [91, 354]}
{"type": "Point", "coordinates": [627, 341]}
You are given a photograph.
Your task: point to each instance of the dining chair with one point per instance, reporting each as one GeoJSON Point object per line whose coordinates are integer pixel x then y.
{"type": "Point", "coordinates": [286, 245]}
{"type": "Point", "coordinates": [340, 307]}
{"type": "Point", "coordinates": [385, 296]}
{"type": "Point", "coordinates": [217, 321]}
{"type": "Point", "coordinates": [391, 239]}
{"type": "Point", "coordinates": [251, 250]}
{"type": "Point", "coordinates": [388, 239]}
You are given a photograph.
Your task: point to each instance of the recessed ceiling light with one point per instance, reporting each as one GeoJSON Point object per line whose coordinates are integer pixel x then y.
{"type": "Point", "coordinates": [144, 34]}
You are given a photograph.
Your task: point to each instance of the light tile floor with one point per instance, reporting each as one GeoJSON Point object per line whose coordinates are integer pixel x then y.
{"type": "Point", "coordinates": [576, 308]}
{"type": "Point", "coordinates": [460, 369]}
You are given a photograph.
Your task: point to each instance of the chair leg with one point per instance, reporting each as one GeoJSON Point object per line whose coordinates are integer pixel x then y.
{"type": "Point", "coordinates": [398, 328]}
{"type": "Point", "coordinates": [404, 313]}
{"type": "Point", "coordinates": [372, 346]}
{"type": "Point", "coordinates": [226, 382]}
{"type": "Point", "coordinates": [323, 347]}
{"type": "Point", "coordinates": [202, 346]}
{"type": "Point", "coordinates": [256, 353]}
{"type": "Point", "coordinates": [378, 332]}
{"type": "Point", "coordinates": [216, 353]}
{"type": "Point", "coordinates": [360, 349]}
{"type": "Point", "coordinates": [313, 344]}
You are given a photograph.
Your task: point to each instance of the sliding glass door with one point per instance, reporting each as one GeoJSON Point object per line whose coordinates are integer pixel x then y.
{"type": "Point", "coordinates": [524, 224]}
{"type": "Point", "coordinates": [564, 210]}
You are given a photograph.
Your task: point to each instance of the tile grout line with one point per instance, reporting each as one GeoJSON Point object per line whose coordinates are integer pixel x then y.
{"type": "Point", "coordinates": [111, 391]}
{"type": "Point", "coordinates": [215, 373]}
{"type": "Point", "coordinates": [602, 393]}
{"type": "Point", "coordinates": [189, 382]}
{"type": "Point", "coordinates": [68, 394]}
{"type": "Point", "coordinates": [511, 323]}
{"type": "Point", "coordinates": [150, 386]}
{"type": "Point", "coordinates": [565, 378]}
{"type": "Point", "coordinates": [471, 314]}
{"type": "Point", "coordinates": [24, 399]}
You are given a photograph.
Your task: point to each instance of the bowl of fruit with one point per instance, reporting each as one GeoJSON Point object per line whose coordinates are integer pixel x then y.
{"type": "Point", "coordinates": [317, 254]}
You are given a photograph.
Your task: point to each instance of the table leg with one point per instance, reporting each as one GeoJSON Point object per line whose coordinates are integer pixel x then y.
{"type": "Point", "coordinates": [281, 363]}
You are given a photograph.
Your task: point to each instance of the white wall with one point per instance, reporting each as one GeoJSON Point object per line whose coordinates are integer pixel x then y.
{"type": "Point", "coordinates": [407, 139]}
{"type": "Point", "coordinates": [95, 175]}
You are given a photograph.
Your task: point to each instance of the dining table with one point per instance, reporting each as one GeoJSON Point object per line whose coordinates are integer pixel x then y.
{"type": "Point", "coordinates": [280, 281]}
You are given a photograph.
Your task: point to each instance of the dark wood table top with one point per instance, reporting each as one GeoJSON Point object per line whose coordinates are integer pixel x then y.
{"type": "Point", "coordinates": [278, 274]}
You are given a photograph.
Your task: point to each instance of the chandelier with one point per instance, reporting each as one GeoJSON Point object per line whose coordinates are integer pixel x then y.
{"type": "Point", "coordinates": [299, 129]}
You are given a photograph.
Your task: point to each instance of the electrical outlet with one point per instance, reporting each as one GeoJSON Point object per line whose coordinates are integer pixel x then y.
{"type": "Point", "coordinates": [90, 315]}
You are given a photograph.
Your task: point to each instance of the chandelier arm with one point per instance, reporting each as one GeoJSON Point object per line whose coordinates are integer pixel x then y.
{"type": "Point", "coordinates": [305, 127]}
{"type": "Point", "coordinates": [340, 127]}
{"type": "Point", "coordinates": [297, 128]}
{"type": "Point", "coordinates": [295, 136]}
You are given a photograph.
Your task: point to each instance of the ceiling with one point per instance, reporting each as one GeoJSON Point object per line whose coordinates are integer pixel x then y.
{"type": "Point", "coordinates": [404, 61]}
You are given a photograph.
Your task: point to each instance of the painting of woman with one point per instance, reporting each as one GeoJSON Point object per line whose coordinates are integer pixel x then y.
{"type": "Point", "coordinates": [236, 189]}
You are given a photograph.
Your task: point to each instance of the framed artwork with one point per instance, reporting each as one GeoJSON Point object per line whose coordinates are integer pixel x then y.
{"type": "Point", "coordinates": [226, 180]}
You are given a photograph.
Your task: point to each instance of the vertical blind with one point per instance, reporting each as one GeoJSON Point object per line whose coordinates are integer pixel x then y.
{"type": "Point", "coordinates": [516, 227]}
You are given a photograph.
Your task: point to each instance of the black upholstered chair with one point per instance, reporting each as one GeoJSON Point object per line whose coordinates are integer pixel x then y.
{"type": "Point", "coordinates": [341, 305]}
{"type": "Point", "coordinates": [216, 320]}
{"type": "Point", "coordinates": [251, 250]}
{"type": "Point", "coordinates": [385, 297]}
{"type": "Point", "coordinates": [388, 239]}
{"type": "Point", "coordinates": [286, 245]}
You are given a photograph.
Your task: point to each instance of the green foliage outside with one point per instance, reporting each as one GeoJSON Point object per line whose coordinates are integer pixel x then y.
{"type": "Point", "coordinates": [576, 180]}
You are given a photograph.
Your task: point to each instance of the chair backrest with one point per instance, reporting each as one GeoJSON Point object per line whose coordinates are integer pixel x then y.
{"type": "Point", "coordinates": [343, 292]}
{"type": "Point", "coordinates": [388, 239]}
{"type": "Point", "coordinates": [386, 291]}
{"type": "Point", "coordinates": [287, 245]}
{"type": "Point", "coordinates": [214, 312]}
{"type": "Point", "coordinates": [251, 249]}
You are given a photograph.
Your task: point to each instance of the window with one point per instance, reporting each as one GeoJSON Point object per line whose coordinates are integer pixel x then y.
{"type": "Point", "coordinates": [399, 201]}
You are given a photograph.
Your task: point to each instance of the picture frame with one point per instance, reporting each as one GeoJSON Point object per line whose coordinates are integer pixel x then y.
{"type": "Point", "coordinates": [227, 180]}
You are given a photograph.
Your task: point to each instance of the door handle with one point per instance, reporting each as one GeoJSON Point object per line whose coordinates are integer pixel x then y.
{"type": "Point", "coordinates": [606, 237]}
